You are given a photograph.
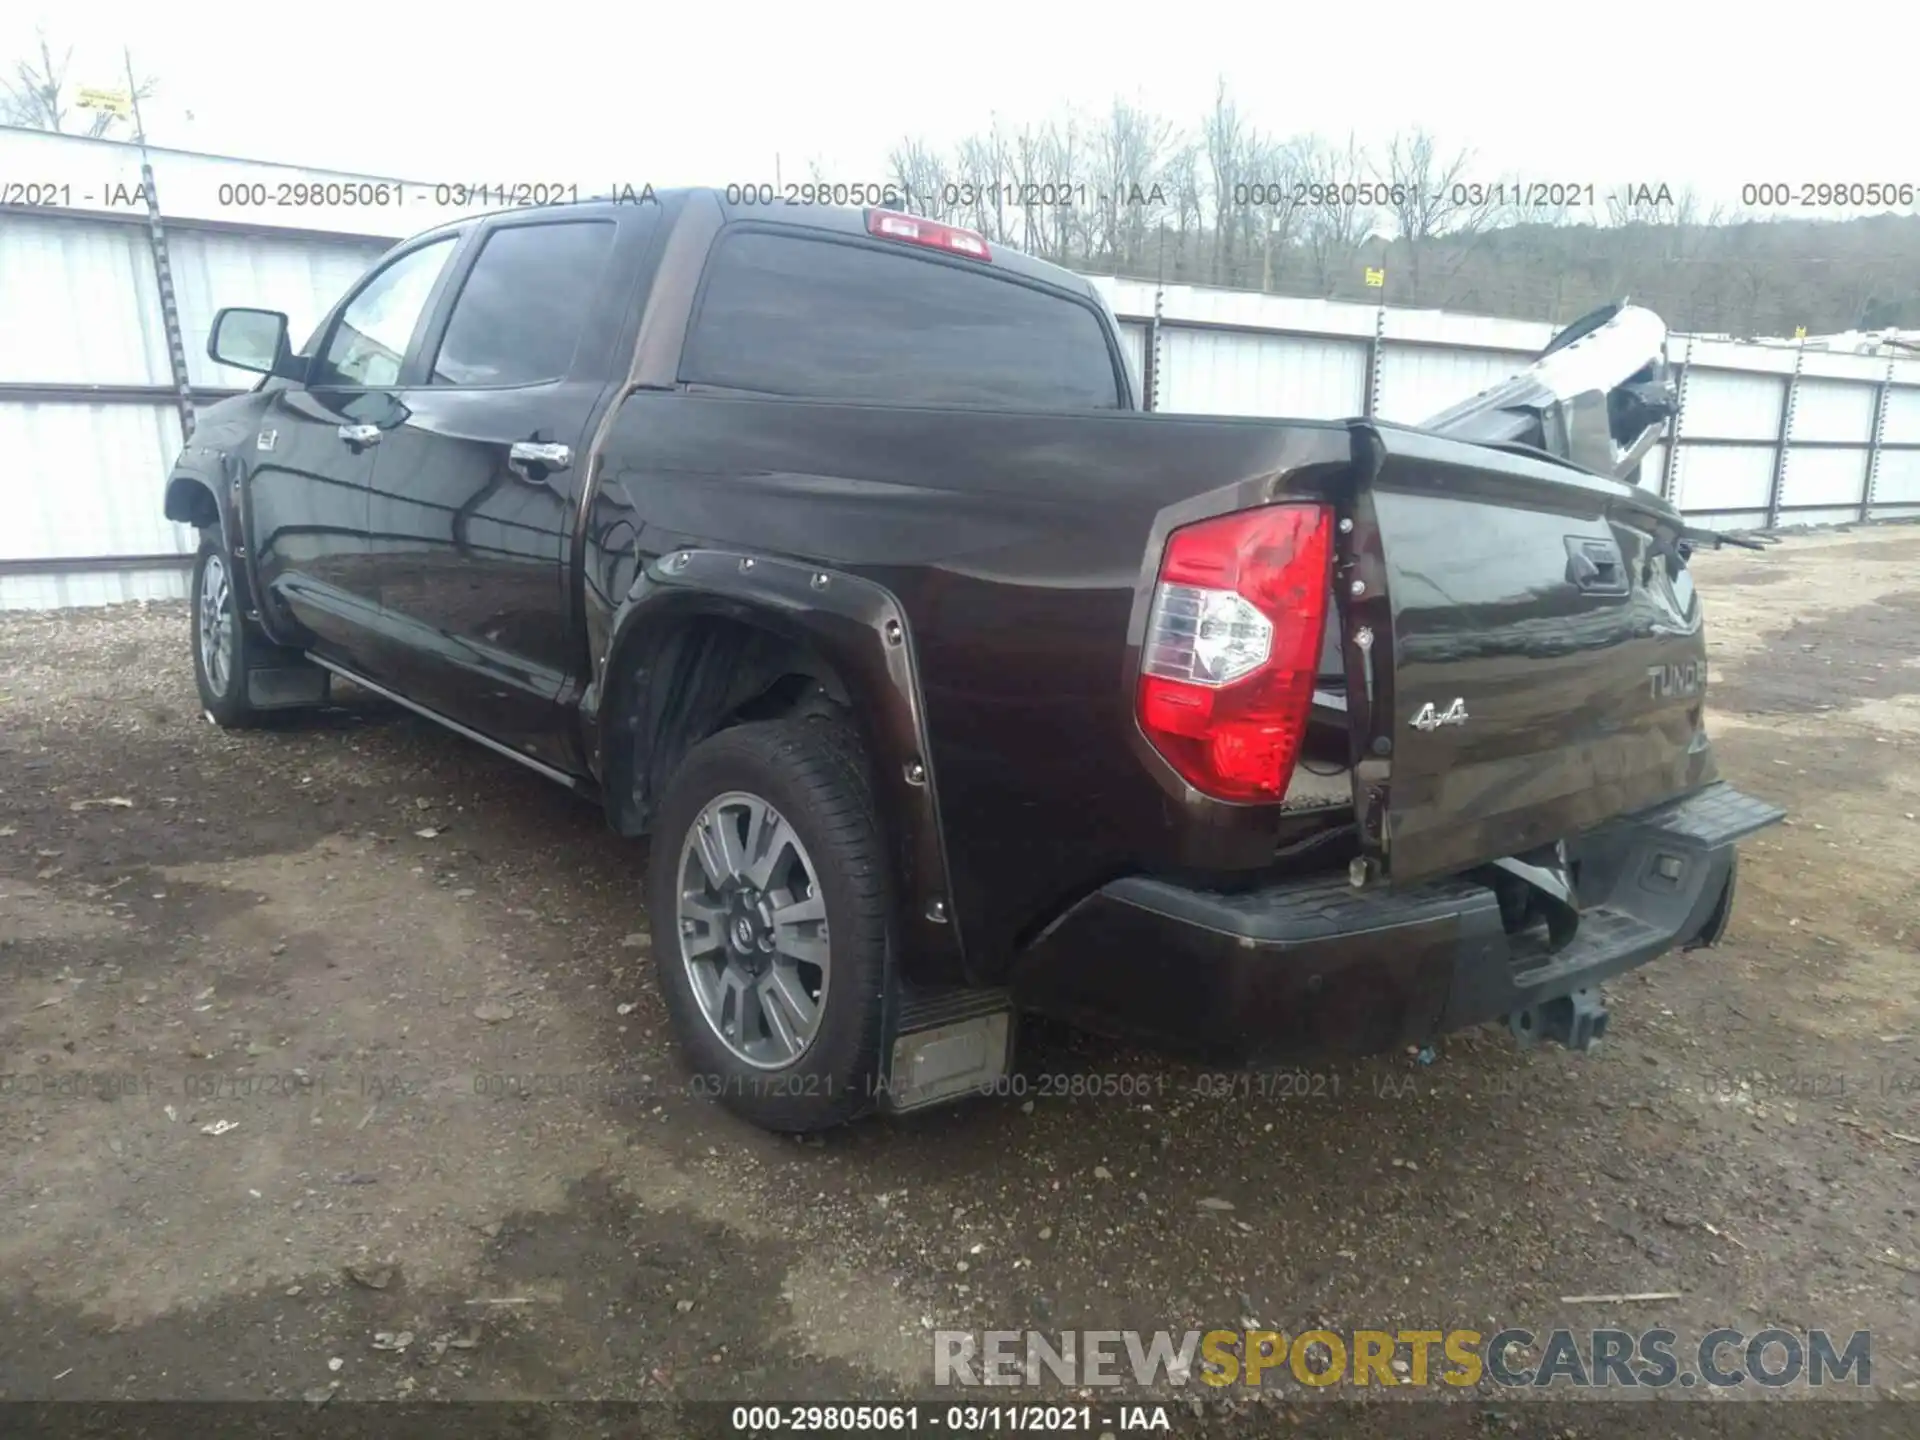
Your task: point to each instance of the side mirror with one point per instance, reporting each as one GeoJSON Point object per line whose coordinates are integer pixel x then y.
{"type": "Point", "coordinates": [249, 340]}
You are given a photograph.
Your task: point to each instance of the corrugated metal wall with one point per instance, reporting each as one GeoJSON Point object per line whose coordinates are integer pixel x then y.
{"type": "Point", "coordinates": [302, 277]}
{"type": "Point", "coordinates": [1767, 434]}
{"type": "Point", "coordinates": [1421, 380]}
{"type": "Point", "coordinates": [87, 407]}
{"type": "Point", "coordinates": [1221, 372]}
{"type": "Point", "coordinates": [80, 302]}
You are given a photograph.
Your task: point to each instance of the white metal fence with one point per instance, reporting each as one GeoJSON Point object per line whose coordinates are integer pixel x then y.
{"type": "Point", "coordinates": [1768, 434]}
{"type": "Point", "coordinates": [89, 407]}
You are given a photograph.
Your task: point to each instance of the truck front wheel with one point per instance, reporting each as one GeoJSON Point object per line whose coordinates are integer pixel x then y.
{"type": "Point", "coordinates": [221, 638]}
{"type": "Point", "coordinates": [767, 885]}
{"type": "Point", "coordinates": [240, 673]}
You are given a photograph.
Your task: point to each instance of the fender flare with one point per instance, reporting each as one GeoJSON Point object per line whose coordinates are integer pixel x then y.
{"type": "Point", "coordinates": [223, 477]}
{"type": "Point", "coordinates": [179, 509]}
{"type": "Point", "coordinates": [861, 631]}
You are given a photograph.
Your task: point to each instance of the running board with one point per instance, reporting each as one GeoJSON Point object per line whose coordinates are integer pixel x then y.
{"type": "Point", "coordinates": [944, 1045]}
{"type": "Point", "coordinates": [539, 767]}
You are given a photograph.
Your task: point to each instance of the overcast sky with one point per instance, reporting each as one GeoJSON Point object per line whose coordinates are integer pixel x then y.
{"type": "Point", "coordinates": [1682, 93]}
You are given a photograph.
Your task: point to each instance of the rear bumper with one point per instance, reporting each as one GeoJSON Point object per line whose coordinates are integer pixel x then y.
{"type": "Point", "coordinates": [1317, 968]}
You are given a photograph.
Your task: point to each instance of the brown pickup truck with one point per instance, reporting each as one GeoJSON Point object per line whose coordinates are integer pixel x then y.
{"type": "Point", "coordinates": [831, 550]}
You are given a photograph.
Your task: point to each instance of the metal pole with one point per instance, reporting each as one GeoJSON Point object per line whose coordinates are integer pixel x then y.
{"type": "Point", "coordinates": [1150, 351]}
{"type": "Point", "coordinates": [1670, 462]}
{"type": "Point", "coordinates": [162, 267]}
{"type": "Point", "coordinates": [1376, 357]}
{"type": "Point", "coordinates": [1880, 397]}
{"type": "Point", "coordinates": [1787, 402]}
{"type": "Point", "coordinates": [1151, 381]}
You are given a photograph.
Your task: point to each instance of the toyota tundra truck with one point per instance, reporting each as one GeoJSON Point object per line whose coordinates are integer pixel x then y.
{"type": "Point", "coordinates": [834, 552]}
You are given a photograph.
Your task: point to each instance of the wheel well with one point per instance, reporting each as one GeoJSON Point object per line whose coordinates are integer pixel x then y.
{"type": "Point", "coordinates": [191, 503]}
{"type": "Point", "coordinates": [674, 689]}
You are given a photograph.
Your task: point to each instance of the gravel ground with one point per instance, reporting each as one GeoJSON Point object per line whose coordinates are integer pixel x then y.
{"type": "Point", "coordinates": [342, 1032]}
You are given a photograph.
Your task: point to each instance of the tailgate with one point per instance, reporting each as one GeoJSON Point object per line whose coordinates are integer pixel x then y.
{"type": "Point", "coordinates": [1537, 663]}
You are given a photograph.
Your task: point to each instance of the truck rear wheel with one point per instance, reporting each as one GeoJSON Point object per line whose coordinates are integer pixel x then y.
{"type": "Point", "coordinates": [767, 885]}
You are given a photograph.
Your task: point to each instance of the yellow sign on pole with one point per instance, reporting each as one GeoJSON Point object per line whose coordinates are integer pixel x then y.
{"type": "Point", "coordinates": [1376, 278]}
{"type": "Point", "coordinates": [1799, 332]}
{"type": "Point", "coordinates": [118, 102]}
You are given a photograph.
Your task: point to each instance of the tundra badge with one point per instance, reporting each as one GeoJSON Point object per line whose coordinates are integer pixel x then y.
{"type": "Point", "coordinates": [1429, 718]}
{"type": "Point", "coordinates": [1669, 682]}
{"type": "Point", "coordinates": [266, 439]}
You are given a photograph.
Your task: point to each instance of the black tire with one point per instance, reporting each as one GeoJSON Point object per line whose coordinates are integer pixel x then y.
{"type": "Point", "coordinates": [813, 773]}
{"type": "Point", "coordinates": [223, 687]}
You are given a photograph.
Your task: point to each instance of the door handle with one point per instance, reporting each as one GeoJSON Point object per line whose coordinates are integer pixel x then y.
{"type": "Point", "coordinates": [359, 435]}
{"type": "Point", "coordinates": [533, 460]}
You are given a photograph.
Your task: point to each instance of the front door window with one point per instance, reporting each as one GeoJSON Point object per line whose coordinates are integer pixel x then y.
{"type": "Point", "coordinates": [371, 338]}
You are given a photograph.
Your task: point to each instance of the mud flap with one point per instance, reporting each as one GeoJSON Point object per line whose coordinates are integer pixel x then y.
{"type": "Point", "coordinates": [1717, 922]}
{"type": "Point", "coordinates": [940, 1046]}
{"type": "Point", "coordinates": [286, 687]}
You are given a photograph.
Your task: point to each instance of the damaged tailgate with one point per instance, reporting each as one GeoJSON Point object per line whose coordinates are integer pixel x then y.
{"type": "Point", "coordinates": [1525, 652]}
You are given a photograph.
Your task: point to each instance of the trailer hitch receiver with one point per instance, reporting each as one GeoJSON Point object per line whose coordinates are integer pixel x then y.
{"type": "Point", "coordinates": [1576, 1021]}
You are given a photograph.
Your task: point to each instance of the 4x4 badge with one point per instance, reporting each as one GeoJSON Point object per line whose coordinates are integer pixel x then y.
{"type": "Point", "coordinates": [1429, 718]}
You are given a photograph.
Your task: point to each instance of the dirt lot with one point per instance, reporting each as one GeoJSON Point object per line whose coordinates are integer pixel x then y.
{"type": "Point", "coordinates": [344, 1029]}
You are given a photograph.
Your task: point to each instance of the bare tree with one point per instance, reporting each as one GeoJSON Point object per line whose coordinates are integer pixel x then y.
{"type": "Point", "coordinates": [1861, 288]}
{"type": "Point", "coordinates": [1184, 189]}
{"type": "Point", "coordinates": [1276, 204]}
{"type": "Point", "coordinates": [36, 97]}
{"type": "Point", "coordinates": [1225, 138]}
{"type": "Point", "coordinates": [1752, 282]}
{"type": "Point", "coordinates": [1431, 194]}
{"type": "Point", "coordinates": [1128, 194]}
{"type": "Point", "coordinates": [1340, 211]}
{"type": "Point", "coordinates": [922, 176]}
{"type": "Point", "coordinates": [987, 181]}
{"type": "Point", "coordinates": [1068, 157]}
{"type": "Point", "coordinates": [1024, 160]}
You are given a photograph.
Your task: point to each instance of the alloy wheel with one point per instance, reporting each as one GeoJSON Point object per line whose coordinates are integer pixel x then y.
{"type": "Point", "coordinates": [752, 926]}
{"type": "Point", "coordinates": [215, 624]}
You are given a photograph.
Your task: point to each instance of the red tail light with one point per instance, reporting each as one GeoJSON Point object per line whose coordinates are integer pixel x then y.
{"type": "Point", "coordinates": [892, 225]}
{"type": "Point", "coordinates": [1232, 646]}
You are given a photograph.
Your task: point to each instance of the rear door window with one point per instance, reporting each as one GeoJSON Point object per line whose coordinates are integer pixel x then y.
{"type": "Point", "coordinates": [789, 315]}
{"type": "Point", "coordinates": [522, 308]}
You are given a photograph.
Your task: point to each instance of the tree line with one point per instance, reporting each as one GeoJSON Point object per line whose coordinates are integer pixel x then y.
{"type": "Point", "coordinates": [1416, 223]}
